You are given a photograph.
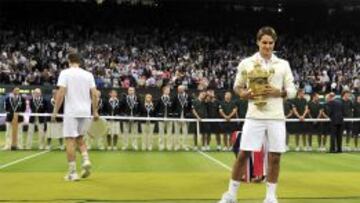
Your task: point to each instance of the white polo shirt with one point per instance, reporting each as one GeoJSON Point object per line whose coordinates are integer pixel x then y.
{"type": "Point", "coordinates": [282, 79]}
{"type": "Point", "coordinates": [78, 83]}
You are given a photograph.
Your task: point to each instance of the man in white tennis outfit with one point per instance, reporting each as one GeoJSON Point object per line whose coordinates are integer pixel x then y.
{"type": "Point", "coordinates": [265, 123]}
{"type": "Point", "coordinates": [78, 88]}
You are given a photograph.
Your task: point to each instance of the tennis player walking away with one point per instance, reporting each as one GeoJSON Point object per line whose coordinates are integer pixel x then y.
{"type": "Point", "coordinates": [78, 88]}
{"type": "Point", "coordinates": [263, 123]}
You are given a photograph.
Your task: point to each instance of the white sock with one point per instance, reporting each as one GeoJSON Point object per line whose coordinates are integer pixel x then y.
{"type": "Point", "coordinates": [233, 187]}
{"type": "Point", "coordinates": [72, 167]}
{"type": "Point", "coordinates": [271, 190]}
{"type": "Point", "coordinates": [85, 156]}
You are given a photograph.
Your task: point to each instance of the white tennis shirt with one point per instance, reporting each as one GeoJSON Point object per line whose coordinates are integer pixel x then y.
{"type": "Point", "coordinates": [282, 79]}
{"type": "Point", "coordinates": [78, 83]}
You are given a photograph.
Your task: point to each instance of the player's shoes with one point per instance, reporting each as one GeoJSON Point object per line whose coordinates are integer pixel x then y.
{"type": "Point", "coordinates": [86, 166]}
{"type": "Point", "coordinates": [228, 198]}
{"type": "Point", "coordinates": [72, 177]}
{"type": "Point", "coordinates": [271, 200]}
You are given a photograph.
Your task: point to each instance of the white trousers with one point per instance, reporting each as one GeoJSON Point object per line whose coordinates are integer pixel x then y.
{"type": "Point", "coordinates": [130, 130]}
{"type": "Point", "coordinates": [166, 136]}
{"type": "Point", "coordinates": [147, 135]}
{"type": "Point", "coordinates": [41, 134]}
{"type": "Point", "coordinates": [181, 134]}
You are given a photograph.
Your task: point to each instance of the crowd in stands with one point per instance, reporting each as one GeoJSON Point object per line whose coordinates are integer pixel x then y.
{"type": "Point", "coordinates": [147, 56]}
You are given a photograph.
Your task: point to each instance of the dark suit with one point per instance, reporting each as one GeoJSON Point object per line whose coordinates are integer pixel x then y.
{"type": "Point", "coordinates": [181, 109]}
{"type": "Point", "coordinates": [38, 106]}
{"type": "Point", "coordinates": [50, 109]}
{"type": "Point", "coordinates": [336, 114]}
{"type": "Point", "coordinates": [14, 105]}
{"type": "Point", "coordinates": [131, 107]}
{"type": "Point", "coordinates": [182, 106]}
{"type": "Point", "coordinates": [164, 109]}
{"type": "Point", "coordinates": [112, 107]}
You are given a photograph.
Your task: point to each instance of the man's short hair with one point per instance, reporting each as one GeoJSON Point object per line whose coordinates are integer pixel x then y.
{"type": "Point", "coordinates": [267, 30]}
{"type": "Point", "coordinates": [74, 58]}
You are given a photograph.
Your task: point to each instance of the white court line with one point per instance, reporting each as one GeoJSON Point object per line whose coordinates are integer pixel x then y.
{"type": "Point", "coordinates": [23, 159]}
{"type": "Point", "coordinates": [215, 160]}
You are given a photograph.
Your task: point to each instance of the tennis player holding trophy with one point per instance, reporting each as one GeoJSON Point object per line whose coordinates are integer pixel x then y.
{"type": "Point", "coordinates": [263, 79]}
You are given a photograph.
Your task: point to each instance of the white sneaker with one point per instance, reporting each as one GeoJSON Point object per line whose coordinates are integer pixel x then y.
{"type": "Point", "coordinates": [195, 148]}
{"type": "Point", "coordinates": [86, 166]}
{"type": "Point", "coordinates": [5, 148]}
{"type": "Point", "coordinates": [228, 198]}
{"type": "Point", "coordinates": [270, 201]}
{"type": "Point", "coordinates": [297, 149]}
{"type": "Point", "coordinates": [208, 148]}
{"type": "Point", "coordinates": [62, 147]}
{"type": "Point", "coordinates": [225, 149]}
{"type": "Point", "coordinates": [72, 177]}
{"type": "Point", "coordinates": [109, 148]}
{"type": "Point", "coordinates": [309, 149]}
{"type": "Point", "coordinates": [48, 147]}
{"type": "Point", "coordinates": [150, 148]}
{"type": "Point", "coordinates": [218, 148]}
{"type": "Point", "coordinates": [124, 148]}
{"type": "Point", "coordinates": [114, 148]}
{"type": "Point", "coordinates": [203, 149]}
{"type": "Point", "coordinates": [135, 147]}
{"type": "Point", "coordinates": [102, 148]}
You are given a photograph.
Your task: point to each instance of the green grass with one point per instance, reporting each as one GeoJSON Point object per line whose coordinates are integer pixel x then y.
{"type": "Point", "coordinates": [184, 177]}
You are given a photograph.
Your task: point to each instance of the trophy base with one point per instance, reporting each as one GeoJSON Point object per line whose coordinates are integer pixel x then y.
{"type": "Point", "coordinates": [260, 104]}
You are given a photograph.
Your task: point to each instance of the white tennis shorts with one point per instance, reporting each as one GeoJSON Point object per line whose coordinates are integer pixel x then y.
{"type": "Point", "coordinates": [74, 127]}
{"type": "Point", "coordinates": [256, 133]}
